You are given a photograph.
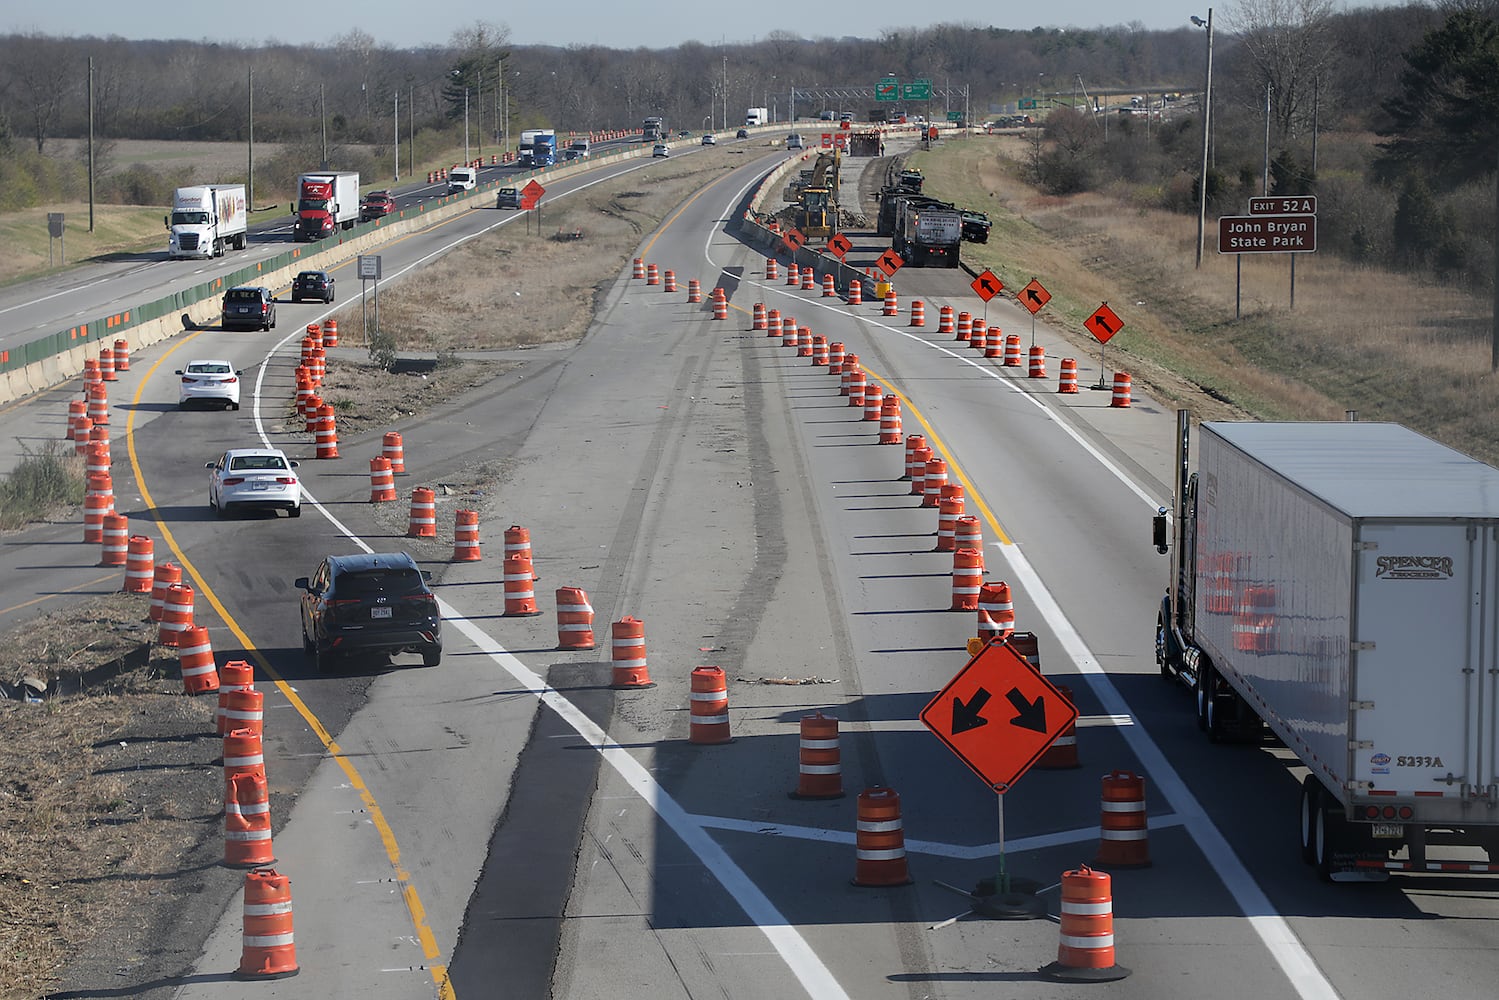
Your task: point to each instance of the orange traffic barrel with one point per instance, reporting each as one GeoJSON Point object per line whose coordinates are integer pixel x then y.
{"type": "Point", "coordinates": [330, 333]}
{"type": "Point", "coordinates": [116, 540]}
{"type": "Point", "coordinates": [122, 355]}
{"type": "Point", "coordinates": [936, 478]}
{"type": "Point", "coordinates": [710, 706]}
{"type": "Point", "coordinates": [1028, 647]}
{"type": "Point", "coordinates": [945, 322]}
{"type": "Point", "coordinates": [327, 433]}
{"type": "Point", "coordinates": [628, 654]}
{"type": "Point", "coordinates": [772, 269]}
{"type": "Point", "coordinates": [269, 950]}
{"type": "Point", "coordinates": [1121, 390]}
{"type": "Point", "coordinates": [835, 358]}
{"type": "Point", "coordinates": [694, 290]}
{"type": "Point", "coordinates": [235, 677]}
{"type": "Point", "coordinates": [107, 364]}
{"type": "Point", "coordinates": [243, 710]}
{"type": "Point", "coordinates": [247, 822]}
{"type": "Point", "coordinates": [382, 480]}
{"type": "Point", "coordinates": [758, 317]}
{"type": "Point", "coordinates": [138, 569]}
{"type": "Point", "coordinates": [965, 326]}
{"type": "Point", "coordinates": [967, 579]}
{"type": "Point", "coordinates": [652, 274]}
{"type": "Point", "coordinates": [1036, 362]}
{"type": "Point", "coordinates": [1085, 952]}
{"type": "Point", "coordinates": [1124, 837]}
{"type": "Point", "coordinates": [857, 386]}
{"type": "Point", "coordinates": [393, 451]}
{"type": "Point", "coordinates": [1067, 380]}
{"type": "Point", "coordinates": [1062, 754]}
{"type": "Point", "coordinates": [423, 522]}
{"type": "Point", "coordinates": [892, 303]}
{"type": "Point", "coordinates": [1012, 350]}
{"type": "Point", "coordinates": [879, 840]}
{"type": "Point", "coordinates": [574, 619]}
{"type": "Point", "coordinates": [195, 659]}
{"type": "Point", "coordinates": [520, 590]}
{"type": "Point", "coordinates": [809, 279]}
{"type": "Point", "coordinates": [670, 282]}
{"type": "Point", "coordinates": [890, 426]}
{"type": "Point", "coordinates": [176, 614]}
{"type": "Point", "coordinates": [855, 292]}
{"type": "Point", "coordinates": [967, 534]}
{"type": "Point", "coordinates": [913, 442]}
{"type": "Point", "coordinates": [166, 574]}
{"type": "Point", "coordinates": [820, 760]}
{"type": "Point", "coordinates": [920, 458]}
{"type": "Point", "coordinates": [81, 428]}
{"type": "Point", "coordinates": [991, 343]}
{"type": "Point", "coordinates": [874, 398]}
{"type": "Point", "coordinates": [918, 313]}
{"type": "Point", "coordinates": [996, 601]}
{"type": "Point", "coordinates": [77, 410]}
{"type": "Point", "coordinates": [819, 351]}
{"type": "Point", "coordinates": [949, 509]}
{"type": "Point", "coordinates": [638, 271]}
{"type": "Point", "coordinates": [829, 289]}
{"type": "Point", "coordinates": [244, 752]}
{"type": "Point", "coordinates": [310, 416]}
{"type": "Point", "coordinates": [466, 536]}
{"type": "Point", "coordinates": [793, 275]}
{"type": "Point", "coordinates": [720, 307]}
{"type": "Point", "coordinates": [788, 331]}
{"type": "Point", "coordinates": [98, 403]}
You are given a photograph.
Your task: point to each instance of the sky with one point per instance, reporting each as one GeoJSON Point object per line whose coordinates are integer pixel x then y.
{"type": "Point", "coordinates": [651, 24]}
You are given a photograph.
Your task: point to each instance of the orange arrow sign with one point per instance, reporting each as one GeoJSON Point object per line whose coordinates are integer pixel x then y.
{"type": "Point", "coordinates": [839, 245]}
{"type": "Point", "coordinates": [1103, 324]}
{"type": "Point", "coordinates": [987, 285]}
{"type": "Point", "coordinates": [998, 715]}
{"type": "Point", "coordinates": [890, 262]}
{"type": "Point", "coordinates": [1034, 296]}
{"type": "Point", "coordinates": [793, 238]}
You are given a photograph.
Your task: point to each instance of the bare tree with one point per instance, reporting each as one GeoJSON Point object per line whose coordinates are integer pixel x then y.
{"type": "Point", "coordinates": [42, 75]}
{"type": "Point", "coordinates": [1290, 44]}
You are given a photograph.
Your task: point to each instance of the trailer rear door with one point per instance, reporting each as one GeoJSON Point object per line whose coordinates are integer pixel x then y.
{"type": "Point", "coordinates": [1423, 681]}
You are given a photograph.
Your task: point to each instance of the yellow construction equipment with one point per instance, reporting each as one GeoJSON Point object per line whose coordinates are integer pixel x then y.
{"type": "Point", "coordinates": [817, 203]}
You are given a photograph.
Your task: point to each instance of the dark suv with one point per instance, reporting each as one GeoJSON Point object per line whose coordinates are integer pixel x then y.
{"type": "Point", "coordinates": [312, 285]}
{"type": "Point", "coordinates": [378, 603]}
{"type": "Point", "coordinates": [507, 198]}
{"type": "Point", "coordinates": [249, 308]}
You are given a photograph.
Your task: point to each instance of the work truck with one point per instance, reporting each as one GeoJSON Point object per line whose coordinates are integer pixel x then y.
{"type": "Point", "coordinates": [1334, 586]}
{"type": "Point", "coordinates": [927, 234]}
{"type": "Point", "coordinates": [327, 201]}
{"type": "Point", "coordinates": [538, 147]}
{"type": "Point", "coordinates": [206, 220]}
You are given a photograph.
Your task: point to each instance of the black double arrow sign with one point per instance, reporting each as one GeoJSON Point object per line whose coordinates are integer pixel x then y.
{"type": "Point", "coordinates": [966, 717]}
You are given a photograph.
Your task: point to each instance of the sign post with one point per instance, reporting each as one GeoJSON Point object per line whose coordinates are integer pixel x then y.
{"type": "Point", "coordinates": [369, 270]}
{"type": "Point", "coordinates": [987, 285]}
{"type": "Point", "coordinates": [999, 739]}
{"type": "Point", "coordinates": [1103, 324]}
{"type": "Point", "coordinates": [1274, 225]}
{"type": "Point", "coordinates": [1034, 297]}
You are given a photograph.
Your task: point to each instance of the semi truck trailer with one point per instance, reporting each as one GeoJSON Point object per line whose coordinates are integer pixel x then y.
{"type": "Point", "coordinates": [326, 202]}
{"type": "Point", "coordinates": [206, 220]}
{"type": "Point", "coordinates": [1334, 586]}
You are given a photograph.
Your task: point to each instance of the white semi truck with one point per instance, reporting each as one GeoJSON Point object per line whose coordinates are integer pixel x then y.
{"type": "Point", "coordinates": [1337, 583]}
{"type": "Point", "coordinates": [206, 220]}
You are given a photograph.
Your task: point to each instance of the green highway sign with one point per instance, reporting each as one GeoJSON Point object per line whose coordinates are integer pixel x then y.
{"type": "Point", "coordinates": [888, 89]}
{"type": "Point", "coordinates": [1026, 103]}
{"type": "Point", "coordinates": [916, 90]}
{"type": "Point", "coordinates": [955, 116]}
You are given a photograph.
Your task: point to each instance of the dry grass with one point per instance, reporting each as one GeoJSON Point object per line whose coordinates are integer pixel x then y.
{"type": "Point", "coordinates": [1387, 345]}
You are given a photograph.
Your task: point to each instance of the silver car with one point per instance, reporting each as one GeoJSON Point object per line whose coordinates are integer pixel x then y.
{"type": "Point", "coordinates": [254, 479]}
{"type": "Point", "coordinates": [209, 381]}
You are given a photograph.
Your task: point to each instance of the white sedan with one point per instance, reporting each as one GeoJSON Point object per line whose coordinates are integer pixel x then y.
{"type": "Point", "coordinates": [209, 382]}
{"type": "Point", "coordinates": [254, 478]}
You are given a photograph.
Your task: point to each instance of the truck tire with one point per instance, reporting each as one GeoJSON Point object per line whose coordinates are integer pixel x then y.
{"type": "Point", "coordinates": [1161, 659]}
{"type": "Point", "coordinates": [1201, 690]}
{"type": "Point", "coordinates": [1327, 837]}
{"type": "Point", "coordinates": [1311, 800]}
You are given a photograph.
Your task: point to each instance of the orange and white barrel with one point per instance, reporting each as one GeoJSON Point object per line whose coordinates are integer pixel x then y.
{"type": "Point", "coordinates": [709, 722]}
{"type": "Point", "coordinates": [1067, 380]}
{"type": "Point", "coordinates": [879, 840]}
{"type": "Point", "coordinates": [423, 521]}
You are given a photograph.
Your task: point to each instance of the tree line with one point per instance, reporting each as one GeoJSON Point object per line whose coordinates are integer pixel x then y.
{"type": "Point", "coordinates": [1385, 113]}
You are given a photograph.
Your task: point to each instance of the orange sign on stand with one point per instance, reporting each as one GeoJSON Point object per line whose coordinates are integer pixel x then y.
{"type": "Point", "coordinates": [987, 285]}
{"type": "Point", "coordinates": [890, 262]}
{"type": "Point", "coordinates": [998, 715]}
{"type": "Point", "coordinates": [839, 246]}
{"type": "Point", "coordinates": [1103, 324]}
{"type": "Point", "coordinates": [793, 238]}
{"type": "Point", "coordinates": [1034, 296]}
{"type": "Point", "coordinates": [531, 194]}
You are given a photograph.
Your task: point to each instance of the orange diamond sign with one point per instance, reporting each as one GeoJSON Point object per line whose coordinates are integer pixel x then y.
{"type": "Point", "coordinates": [531, 194]}
{"type": "Point", "coordinates": [998, 715]}
{"type": "Point", "coordinates": [987, 285]}
{"type": "Point", "coordinates": [1034, 296]}
{"type": "Point", "coordinates": [1103, 324]}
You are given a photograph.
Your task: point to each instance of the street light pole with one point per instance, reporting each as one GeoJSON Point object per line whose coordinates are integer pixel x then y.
{"type": "Point", "coordinates": [1207, 116]}
{"type": "Point", "coordinates": [465, 125]}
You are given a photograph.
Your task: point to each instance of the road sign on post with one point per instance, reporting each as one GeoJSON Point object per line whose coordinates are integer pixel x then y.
{"type": "Point", "coordinates": [793, 239]}
{"type": "Point", "coordinates": [888, 89]}
{"type": "Point", "coordinates": [839, 246]}
{"type": "Point", "coordinates": [987, 285]}
{"type": "Point", "coordinates": [955, 116]}
{"type": "Point", "coordinates": [890, 262]}
{"type": "Point", "coordinates": [1103, 324]}
{"type": "Point", "coordinates": [1267, 234]}
{"type": "Point", "coordinates": [531, 194]}
{"type": "Point", "coordinates": [916, 90]}
{"type": "Point", "coordinates": [1034, 296]}
{"type": "Point", "coordinates": [1305, 204]}
{"type": "Point", "coordinates": [998, 715]}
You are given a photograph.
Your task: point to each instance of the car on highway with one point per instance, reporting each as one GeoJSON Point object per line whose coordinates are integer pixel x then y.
{"type": "Point", "coordinates": [211, 382]}
{"type": "Point", "coordinates": [312, 285]}
{"type": "Point", "coordinates": [507, 198]}
{"type": "Point", "coordinates": [248, 307]}
{"type": "Point", "coordinates": [254, 479]}
{"type": "Point", "coordinates": [742, 134]}
{"type": "Point", "coordinates": [660, 149]}
{"type": "Point", "coordinates": [376, 205]}
{"type": "Point", "coordinates": [369, 603]}
{"type": "Point", "coordinates": [709, 139]}
{"type": "Point", "coordinates": [683, 134]}
{"type": "Point", "coordinates": [794, 141]}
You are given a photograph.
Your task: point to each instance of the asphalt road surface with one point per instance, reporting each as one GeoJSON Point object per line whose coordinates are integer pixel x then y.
{"type": "Point", "coordinates": [508, 825]}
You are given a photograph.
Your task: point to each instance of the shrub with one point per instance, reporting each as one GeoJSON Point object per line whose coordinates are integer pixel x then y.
{"type": "Point", "coordinates": [42, 482]}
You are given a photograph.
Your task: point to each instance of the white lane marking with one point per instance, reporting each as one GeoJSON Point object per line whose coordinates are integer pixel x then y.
{"type": "Point", "coordinates": [1060, 838]}
{"type": "Point", "coordinates": [1288, 950]}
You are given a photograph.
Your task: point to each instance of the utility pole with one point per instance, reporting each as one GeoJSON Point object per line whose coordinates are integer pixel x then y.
{"type": "Point", "coordinates": [1207, 119]}
{"type": "Point", "coordinates": [250, 140]}
{"type": "Point", "coordinates": [411, 128]}
{"type": "Point", "coordinates": [397, 147]}
{"type": "Point", "coordinates": [90, 143]}
{"type": "Point", "coordinates": [1265, 171]}
{"type": "Point", "coordinates": [323, 102]}
{"type": "Point", "coordinates": [481, 114]}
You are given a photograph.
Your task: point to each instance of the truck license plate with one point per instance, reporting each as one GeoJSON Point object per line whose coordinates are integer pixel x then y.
{"type": "Point", "coordinates": [379, 612]}
{"type": "Point", "coordinates": [1394, 831]}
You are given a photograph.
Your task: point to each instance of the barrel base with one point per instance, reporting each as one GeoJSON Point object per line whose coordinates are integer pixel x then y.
{"type": "Point", "coordinates": [824, 795]}
{"type": "Point", "coordinates": [1019, 902]}
{"type": "Point", "coordinates": [243, 976]}
{"type": "Point", "coordinates": [1067, 973]}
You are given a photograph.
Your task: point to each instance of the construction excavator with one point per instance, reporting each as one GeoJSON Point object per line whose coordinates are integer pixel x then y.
{"type": "Point", "coordinates": [817, 202]}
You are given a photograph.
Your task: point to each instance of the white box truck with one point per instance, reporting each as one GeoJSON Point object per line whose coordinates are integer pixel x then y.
{"type": "Point", "coordinates": [206, 220]}
{"type": "Point", "coordinates": [756, 116]}
{"type": "Point", "coordinates": [462, 179]}
{"type": "Point", "coordinates": [1338, 584]}
{"type": "Point", "coordinates": [326, 202]}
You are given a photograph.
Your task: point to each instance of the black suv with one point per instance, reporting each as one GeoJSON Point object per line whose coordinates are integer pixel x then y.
{"type": "Point", "coordinates": [378, 603]}
{"type": "Point", "coordinates": [312, 285]}
{"type": "Point", "coordinates": [507, 198]}
{"type": "Point", "coordinates": [248, 307]}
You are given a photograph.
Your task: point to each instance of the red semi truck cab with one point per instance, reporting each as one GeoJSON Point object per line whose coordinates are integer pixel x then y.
{"type": "Point", "coordinates": [326, 202]}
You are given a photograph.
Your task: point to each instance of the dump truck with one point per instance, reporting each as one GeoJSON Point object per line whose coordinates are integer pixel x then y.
{"type": "Point", "coordinates": [1335, 583]}
{"type": "Point", "coordinates": [206, 220]}
{"type": "Point", "coordinates": [927, 235]}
